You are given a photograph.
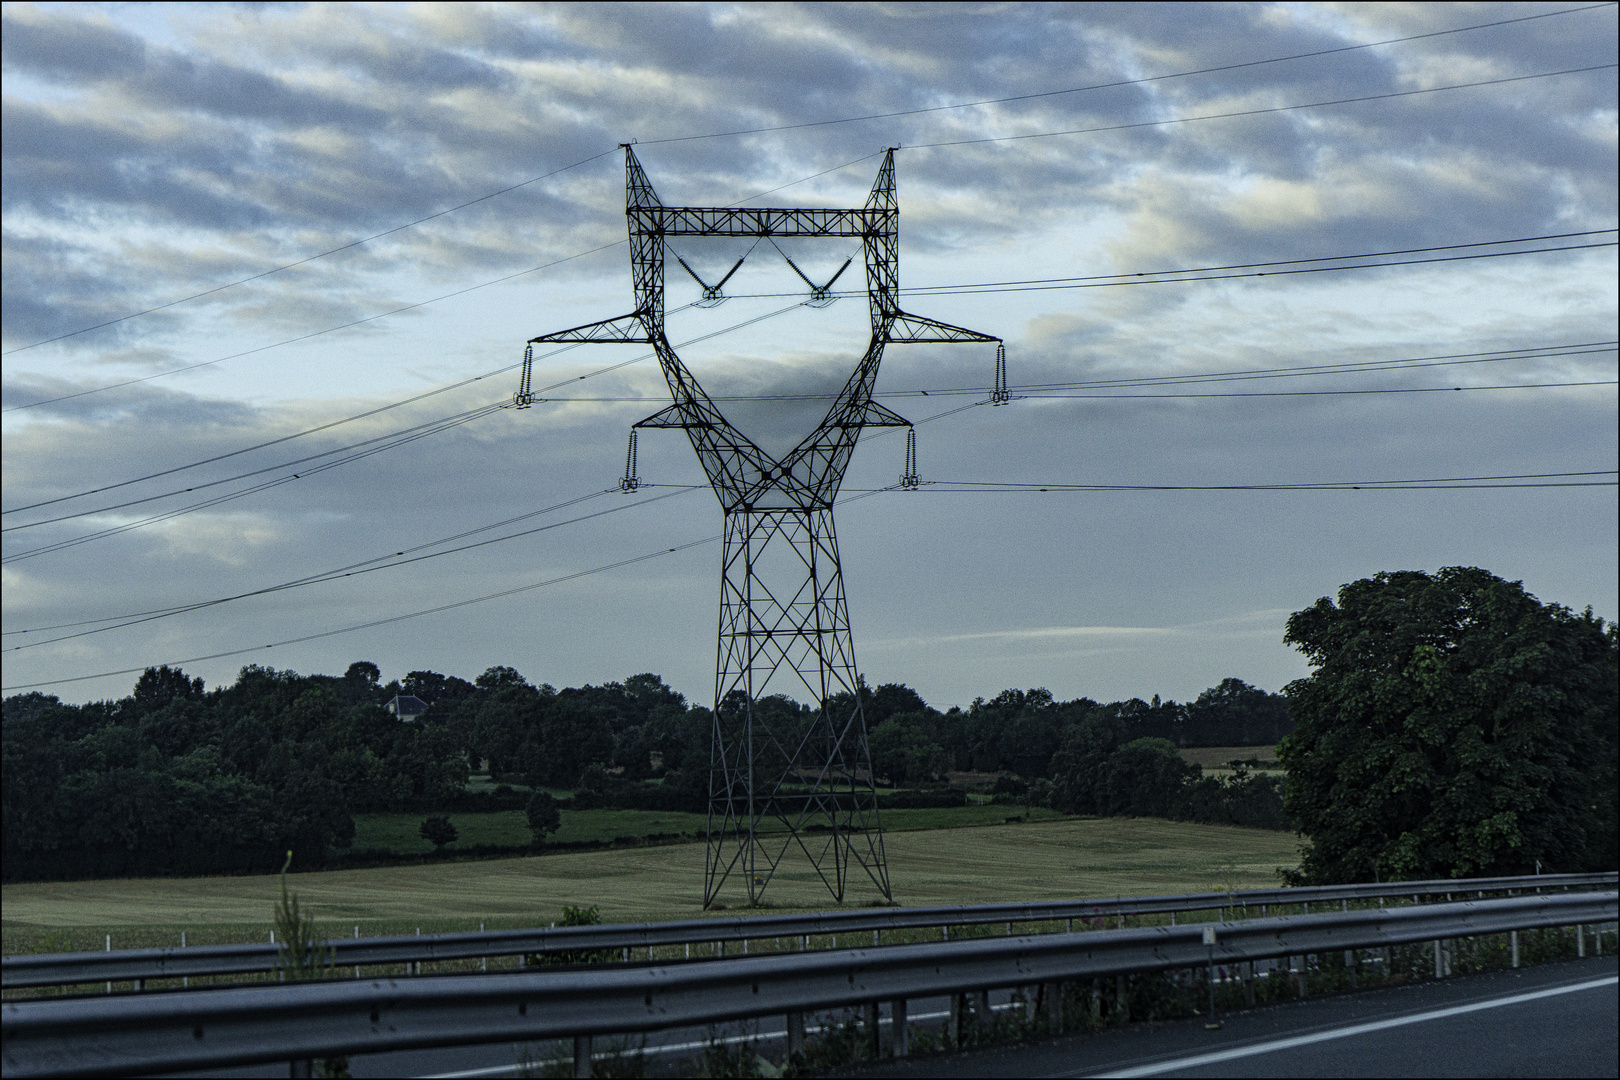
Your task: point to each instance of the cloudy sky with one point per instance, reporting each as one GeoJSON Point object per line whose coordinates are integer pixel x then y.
{"type": "Point", "coordinates": [268, 268]}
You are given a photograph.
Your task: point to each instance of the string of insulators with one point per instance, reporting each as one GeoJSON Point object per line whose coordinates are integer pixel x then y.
{"type": "Point", "coordinates": [629, 482]}
{"type": "Point", "coordinates": [998, 395]}
{"type": "Point", "coordinates": [525, 393]}
{"type": "Point", "coordinates": [908, 479]}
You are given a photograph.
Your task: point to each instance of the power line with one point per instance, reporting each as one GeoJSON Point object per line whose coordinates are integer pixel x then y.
{"type": "Point", "coordinates": [388, 442]}
{"type": "Point", "coordinates": [312, 334]}
{"type": "Point", "coordinates": [1533, 480]}
{"type": "Point", "coordinates": [917, 290]}
{"type": "Point", "coordinates": [1103, 281]}
{"type": "Point", "coordinates": [399, 434]}
{"type": "Point", "coordinates": [381, 562]}
{"type": "Point", "coordinates": [1034, 390]}
{"type": "Point", "coordinates": [824, 123]}
{"type": "Point", "coordinates": [422, 433]}
{"type": "Point", "coordinates": [973, 291]}
{"type": "Point", "coordinates": [1333, 393]}
{"type": "Point", "coordinates": [926, 289]}
{"type": "Point", "coordinates": [1261, 112]}
{"type": "Point", "coordinates": [1364, 367]}
{"type": "Point", "coordinates": [575, 501]}
{"type": "Point", "coordinates": [386, 621]}
{"type": "Point", "coordinates": [1443, 483]}
{"type": "Point", "coordinates": [1127, 82]}
{"type": "Point", "coordinates": [288, 438]}
{"type": "Point", "coordinates": [386, 314]}
{"type": "Point", "coordinates": [311, 258]}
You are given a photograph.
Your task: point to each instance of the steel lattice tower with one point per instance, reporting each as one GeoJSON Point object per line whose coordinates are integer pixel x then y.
{"type": "Point", "coordinates": [775, 772]}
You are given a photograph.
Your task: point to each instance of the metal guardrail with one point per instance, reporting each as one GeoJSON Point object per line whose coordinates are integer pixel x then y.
{"type": "Point", "coordinates": [140, 965]}
{"type": "Point", "coordinates": [132, 1034]}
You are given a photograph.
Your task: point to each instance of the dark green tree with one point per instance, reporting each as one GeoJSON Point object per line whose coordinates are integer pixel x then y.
{"type": "Point", "coordinates": [1453, 725]}
{"type": "Point", "coordinates": [438, 831]}
{"type": "Point", "coordinates": [544, 816]}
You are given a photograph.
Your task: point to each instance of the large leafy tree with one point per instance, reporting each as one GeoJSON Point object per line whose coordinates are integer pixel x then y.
{"type": "Point", "coordinates": [1453, 726]}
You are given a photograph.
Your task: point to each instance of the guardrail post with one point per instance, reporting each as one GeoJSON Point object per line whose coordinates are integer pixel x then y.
{"type": "Point", "coordinates": [900, 1037]}
{"type": "Point", "coordinates": [1122, 998]}
{"type": "Point", "coordinates": [582, 1055]}
{"type": "Point", "coordinates": [953, 1023]}
{"type": "Point", "coordinates": [1054, 1006]}
{"type": "Point", "coordinates": [795, 1035]}
{"type": "Point", "coordinates": [304, 1067]}
{"type": "Point", "coordinates": [1580, 940]}
{"type": "Point", "coordinates": [982, 1008]}
{"type": "Point", "coordinates": [874, 1032]}
{"type": "Point", "coordinates": [1513, 946]}
{"type": "Point", "coordinates": [1248, 984]}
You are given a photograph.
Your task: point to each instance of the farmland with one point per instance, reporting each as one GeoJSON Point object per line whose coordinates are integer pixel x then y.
{"type": "Point", "coordinates": [1071, 857]}
{"type": "Point", "coordinates": [398, 833]}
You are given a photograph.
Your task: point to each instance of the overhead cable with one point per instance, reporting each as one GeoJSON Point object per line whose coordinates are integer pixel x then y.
{"type": "Point", "coordinates": [824, 123]}
{"type": "Point", "coordinates": [1128, 82]}
{"type": "Point", "coordinates": [1353, 367]}
{"type": "Point", "coordinates": [1535, 480]}
{"type": "Point", "coordinates": [386, 621]}
{"type": "Point", "coordinates": [312, 334]}
{"type": "Point", "coordinates": [1261, 112]}
{"type": "Point", "coordinates": [422, 432]}
{"type": "Point", "coordinates": [311, 258]}
{"type": "Point", "coordinates": [369, 566]}
{"type": "Point", "coordinates": [371, 446]}
{"type": "Point", "coordinates": [1445, 483]}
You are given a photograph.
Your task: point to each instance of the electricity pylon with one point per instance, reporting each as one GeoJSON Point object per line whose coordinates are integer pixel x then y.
{"type": "Point", "coordinates": [781, 776]}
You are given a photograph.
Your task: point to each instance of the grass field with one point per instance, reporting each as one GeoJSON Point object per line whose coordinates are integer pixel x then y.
{"type": "Point", "coordinates": [1214, 758]}
{"type": "Point", "coordinates": [400, 833]}
{"type": "Point", "coordinates": [1071, 857]}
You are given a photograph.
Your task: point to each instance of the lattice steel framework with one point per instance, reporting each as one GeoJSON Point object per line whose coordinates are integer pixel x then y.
{"type": "Point", "coordinates": [777, 769]}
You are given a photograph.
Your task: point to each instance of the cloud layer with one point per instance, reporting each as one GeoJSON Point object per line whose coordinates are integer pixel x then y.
{"type": "Point", "coordinates": [154, 153]}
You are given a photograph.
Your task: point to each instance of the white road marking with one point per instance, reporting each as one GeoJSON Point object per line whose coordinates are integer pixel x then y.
{"type": "Point", "coordinates": [667, 1048]}
{"type": "Point", "coordinates": [1215, 1056]}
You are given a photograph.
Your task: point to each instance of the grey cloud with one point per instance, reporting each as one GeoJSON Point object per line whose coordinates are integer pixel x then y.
{"type": "Point", "coordinates": [147, 172]}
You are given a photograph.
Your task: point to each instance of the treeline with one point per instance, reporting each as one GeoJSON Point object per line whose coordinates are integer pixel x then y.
{"type": "Point", "coordinates": [179, 780]}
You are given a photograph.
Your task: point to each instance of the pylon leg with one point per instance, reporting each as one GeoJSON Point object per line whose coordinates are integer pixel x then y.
{"type": "Point", "coordinates": [777, 767]}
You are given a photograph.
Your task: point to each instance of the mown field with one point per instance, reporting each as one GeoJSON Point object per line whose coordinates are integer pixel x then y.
{"type": "Point", "coordinates": [400, 833]}
{"type": "Point", "coordinates": [1070, 857]}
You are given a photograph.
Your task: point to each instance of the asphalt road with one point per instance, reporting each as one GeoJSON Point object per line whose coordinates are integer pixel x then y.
{"type": "Point", "coordinates": [1551, 1020]}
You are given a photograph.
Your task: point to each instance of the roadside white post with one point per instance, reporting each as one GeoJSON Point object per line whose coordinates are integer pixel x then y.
{"type": "Point", "coordinates": [1513, 946]}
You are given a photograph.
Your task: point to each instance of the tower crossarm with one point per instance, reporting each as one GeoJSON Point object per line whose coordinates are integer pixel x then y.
{"type": "Point", "coordinates": [623, 330]}
{"type": "Point", "coordinates": [907, 329]}
{"type": "Point", "coordinates": [759, 221]}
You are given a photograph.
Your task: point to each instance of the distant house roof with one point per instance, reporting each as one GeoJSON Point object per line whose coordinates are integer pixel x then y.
{"type": "Point", "coordinates": [407, 706]}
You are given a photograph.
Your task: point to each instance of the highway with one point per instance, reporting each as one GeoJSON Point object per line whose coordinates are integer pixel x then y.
{"type": "Point", "coordinates": [1554, 1020]}
{"type": "Point", "coordinates": [1551, 1020]}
